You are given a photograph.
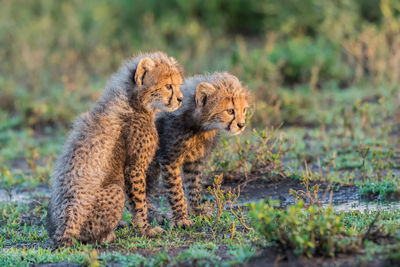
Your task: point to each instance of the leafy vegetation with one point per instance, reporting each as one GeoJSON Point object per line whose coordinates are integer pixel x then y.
{"type": "Point", "coordinates": [316, 231]}
{"type": "Point", "coordinates": [388, 189]}
{"type": "Point", "coordinates": [306, 230]}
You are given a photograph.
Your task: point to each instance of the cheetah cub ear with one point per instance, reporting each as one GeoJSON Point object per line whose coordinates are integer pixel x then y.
{"type": "Point", "coordinates": [203, 91]}
{"type": "Point", "coordinates": [146, 64]}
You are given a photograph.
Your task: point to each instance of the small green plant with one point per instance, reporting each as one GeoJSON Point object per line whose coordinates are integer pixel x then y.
{"type": "Point", "coordinates": [310, 231]}
{"type": "Point", "coordinates": [270, 147]}
{"type": "Point", "coordinates": [242, 253]}
{"type": "Point", "coordinates": [364, 150]}
{"type": "Point", "coordinates": [310, 195]}
{"type": "Point", "coordinates": [373, 223]}
{"type": "Point", "coordinates": [381, 161]}
{"type": "Point", "coordinates": [227, 206]}
{"type": "Point", "coordinates": [383, 190]}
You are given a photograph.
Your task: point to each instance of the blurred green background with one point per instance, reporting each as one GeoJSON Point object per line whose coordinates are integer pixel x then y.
{"type": "Point", "coordinates": [55, 56]}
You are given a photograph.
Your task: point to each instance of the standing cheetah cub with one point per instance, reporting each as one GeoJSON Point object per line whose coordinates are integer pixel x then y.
{"type": "Point", "coordinates": [108, 152]}
{"type": "Point", "coordinates": [187, 136]}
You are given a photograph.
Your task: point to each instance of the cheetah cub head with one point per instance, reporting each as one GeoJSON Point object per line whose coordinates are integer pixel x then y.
{"type": "Point", "coordinates": [221, 103]}
{"type": "Point", "coordinates": [159, 78]}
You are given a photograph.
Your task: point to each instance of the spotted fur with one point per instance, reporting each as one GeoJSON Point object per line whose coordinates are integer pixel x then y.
{"type": "Point", "coordinates": [187, 136]}
{"type": "Point", "coordinates": [108, 151]}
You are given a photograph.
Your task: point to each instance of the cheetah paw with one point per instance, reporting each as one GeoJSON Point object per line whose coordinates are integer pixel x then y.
{"type": "Point", "coordinates": [195, 211]}
{"type": "Point", "coordinates": [153, 231]}
{"type": "Point", "coordinates": [181, 223]}
{"type": "Point", "coordinates": [65, 242]}
{"type": "Point", "coordinates": [159, 217]}
{"type": "Point", "coordinates": [111, 237]}
{"type": "Point", "coordinates": [201, 211]}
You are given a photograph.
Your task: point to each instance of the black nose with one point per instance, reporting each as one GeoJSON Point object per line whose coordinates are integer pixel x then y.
{"type": "Point", "coordinates": [240, 125]}
{"type": "Point", "coordinates": [180, 99]}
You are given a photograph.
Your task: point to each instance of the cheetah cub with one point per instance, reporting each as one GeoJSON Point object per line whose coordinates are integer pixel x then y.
{"type": "Point", "coordinates": [108, 152]}
{"type": "Point", "coordinates": [187, 136]}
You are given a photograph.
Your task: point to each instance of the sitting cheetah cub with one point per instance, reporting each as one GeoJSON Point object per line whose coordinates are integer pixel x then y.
{"type": "Point", "coordinates": [108, 152]}
{"type": "Point", "coordinates": [187, 136]}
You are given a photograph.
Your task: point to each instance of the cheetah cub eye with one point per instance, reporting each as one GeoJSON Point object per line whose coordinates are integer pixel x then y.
{"type": "Point", "coordinates": [230, 111]}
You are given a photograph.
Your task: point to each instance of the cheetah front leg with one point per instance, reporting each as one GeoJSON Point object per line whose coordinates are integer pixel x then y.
{"type": "Point", "coordinates": [192, 175]}
{"type": "Point", "coordinates": [176, 197]}
{"type": "Point", "coordinates": [135, 186]}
